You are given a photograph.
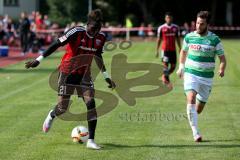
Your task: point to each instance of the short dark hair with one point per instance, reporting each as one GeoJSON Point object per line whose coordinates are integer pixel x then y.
{"type": "Point", "coordinates": [204, 15]}
{"type": "Point", "coordinates": [95, 16]}
{"type": "Point", "coordinates": [168, 14]}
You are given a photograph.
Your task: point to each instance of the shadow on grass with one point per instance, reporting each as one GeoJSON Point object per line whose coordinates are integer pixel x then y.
{"type": "Point", "coordinates": [197, 145]}
{"type": "Point", "coordinates": [223, 140]}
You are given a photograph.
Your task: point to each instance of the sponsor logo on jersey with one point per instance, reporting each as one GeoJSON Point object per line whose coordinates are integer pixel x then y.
{"type": "Point", "coordinates": [88, 49]}
{"type": "Point", "coordinates": [203, 48]}
{"type": "Point", "coordinates": [98, 42]}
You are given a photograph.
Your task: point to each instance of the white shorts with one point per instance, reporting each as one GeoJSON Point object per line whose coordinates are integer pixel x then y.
{"type": "Point", "coordinates": [203, 90]}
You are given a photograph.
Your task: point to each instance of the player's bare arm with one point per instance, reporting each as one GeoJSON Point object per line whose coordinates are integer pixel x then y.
{"type": "Point", "coordinates": [223, 64]}
{"type": "Point", "coordinates": [34, 63]}
{"type": "Point", "coordinates": [159, 40]}
{"type": "Point", "coordinates": [179, 43]}
{"type": "Point", "coordinates": [100, 63]}
{"type": "Point", "coordinates": [182, 59]}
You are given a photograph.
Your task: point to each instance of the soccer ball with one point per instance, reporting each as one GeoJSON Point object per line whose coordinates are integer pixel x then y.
{"type": "Point", "coordinates": [80, 134]}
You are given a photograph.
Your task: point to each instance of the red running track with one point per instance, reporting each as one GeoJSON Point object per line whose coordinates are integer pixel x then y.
{"type": "Point", "coordinates": [14, 57]}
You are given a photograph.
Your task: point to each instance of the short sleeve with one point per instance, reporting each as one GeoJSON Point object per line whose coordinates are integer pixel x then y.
{"type": "Point", "coordinates": [185, 45]}
{"type": "Point", "coordinates": [219, 49]}
{"type": "Point", "coordinates": [69, 35]}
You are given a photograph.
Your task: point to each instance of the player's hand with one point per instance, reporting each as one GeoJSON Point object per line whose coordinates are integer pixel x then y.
{"type": "Point", "coordinates": [32, 64]}
{"type": "Point", "coordinates": [111, 84]}
{"type": "Point", "coordinates": [221, 73]}
{"type": "Point", "coordinates": [180, 71]}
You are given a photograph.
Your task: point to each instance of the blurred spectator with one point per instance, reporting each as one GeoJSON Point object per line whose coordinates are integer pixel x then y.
{"type": "Point", "coordinates": [32, 17]}
{"type": "Point", "coordinates": [24, 31]}
{"type": "Point", "coordinates": [73, 24]}
{"type": "Point", "coordinates": [55, 26]}
{"type": "Point", "coordinates": [39, 22]}
{"type": "Point", "coordinates": [12, 34]}
{"type": "Point", "coordinates": [193, 26]}
{"type": "Point", "coordinates": [3, 36]}
{"type": "Point", "coordinates": [5, 21]}
{"type": "Point", "coordinates": [186, 29]}
{"type": "Point", "coordinates": [141, 32]}
{"type": "Point", "coordinates": [46, 21]}
{"type": "Point", "coordinates": [117, 33]}
{"type": "Point", "coordinates": [67, 28]}
{"type": "Point", "coordinates": [80, 24]}
{"type": "Point", "coordinates": [150, 32]}
{"type": "Point", "coordinates": [108, 33]}
{"type": "Point", "coordinates": [1, 20]}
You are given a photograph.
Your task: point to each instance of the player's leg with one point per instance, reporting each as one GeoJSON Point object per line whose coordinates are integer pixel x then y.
{"type": "Point", "coordinates": [64, 94]}
{"type": "Point", "coordinates": [165, 62]}
{"type": "Point", "coordinates": [192, 114]}
{"type": "Point", "coordinates": [60, 108]}
{"type": "Point", "coordinates": [88, 97]}
{"type": "Point", "coordinates": [202, 97]}
{"type": "Point", "coordinates": [172, 61]}
{"type": "Point", "coordinates": [191, 89]}
{"type": "Point", "coordinates": [87, 93]}
{"type": "Point", "coordinates": [172, 68]}
{"type": "Point", "coordinates": [200, 106]}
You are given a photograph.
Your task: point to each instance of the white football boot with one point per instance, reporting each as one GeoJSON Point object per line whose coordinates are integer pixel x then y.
{"type": "Point", "coordinates": [92, 145]}
{"type": "Point", "coordinates": [47, 123]}
{"type": "Point", "coordinates": [197, 137]}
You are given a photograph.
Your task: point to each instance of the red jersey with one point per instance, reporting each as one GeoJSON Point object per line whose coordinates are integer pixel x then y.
{"type": "Point", "coordinates": [168, 35]}
{"type": "Point", "coordinates": [80, 50]}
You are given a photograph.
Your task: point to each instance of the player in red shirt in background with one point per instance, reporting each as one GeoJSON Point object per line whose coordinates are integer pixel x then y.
{"type": "Point", "coordinates": [83, 45]}
{"type": "Point", "coordinates": [168, 34]}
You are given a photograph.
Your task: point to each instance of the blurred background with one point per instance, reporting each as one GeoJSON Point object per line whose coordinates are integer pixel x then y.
{"type": "Point", "coordinates": [123, 19]}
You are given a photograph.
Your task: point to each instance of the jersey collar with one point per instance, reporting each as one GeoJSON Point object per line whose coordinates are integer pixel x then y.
{"type": "Point", "coordinates": [89, 35]}
{"type": "Point", "coordinates": [208, 33]}
{"type": "Point", "coordinates": [168, 25]}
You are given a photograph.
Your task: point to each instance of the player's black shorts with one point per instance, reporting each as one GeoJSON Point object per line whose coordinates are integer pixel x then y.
{"type": "Point", "coordinates": [169, 57]}
{"type": "Point", "coordinates": [74, 84]}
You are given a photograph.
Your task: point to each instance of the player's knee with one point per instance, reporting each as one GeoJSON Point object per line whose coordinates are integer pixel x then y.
{"type": "Point", "coordinates": [165, 64]}
{"type": "Point", "coordinates": [60, 109]}
{"type": "Point", "coordinates": [191, 97]}
{"type": "Point", "coordinates": [199, 111]}
{"type": "Point", "coordinates": [165, 71]}
{"type": "Point", "coordinates": [200, 106]}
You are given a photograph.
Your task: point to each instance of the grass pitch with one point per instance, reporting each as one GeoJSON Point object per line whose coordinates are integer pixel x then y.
{"type": "Point", "coordinates": [126, 132]}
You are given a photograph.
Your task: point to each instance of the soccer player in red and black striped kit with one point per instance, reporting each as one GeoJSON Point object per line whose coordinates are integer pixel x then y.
{"type": "Point", "coordinates": [168, 34]}
{"type": "Point", "coordinates": [83, 45]}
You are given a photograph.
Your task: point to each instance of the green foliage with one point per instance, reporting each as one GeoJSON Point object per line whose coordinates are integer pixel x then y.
{"type": "Point", "coordinates": [66, 11]}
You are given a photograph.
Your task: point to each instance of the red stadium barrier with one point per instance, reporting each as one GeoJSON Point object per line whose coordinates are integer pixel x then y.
{"type": "Point", "coordinates": [124, 29]}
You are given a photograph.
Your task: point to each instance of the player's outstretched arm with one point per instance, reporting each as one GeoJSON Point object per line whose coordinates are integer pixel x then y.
{"type": "Point", "coordinates": [68, 36]}
{"type": "Point", "coordinates": [34, 63]}
{"type": "Point", "coordinates": [101, 66]}
{"type": "Point", "coordinates": [223, 64]}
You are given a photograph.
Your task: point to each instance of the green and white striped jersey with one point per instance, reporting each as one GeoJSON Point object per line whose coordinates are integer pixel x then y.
{"type": "Point", "coordinates": [202, 51]}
